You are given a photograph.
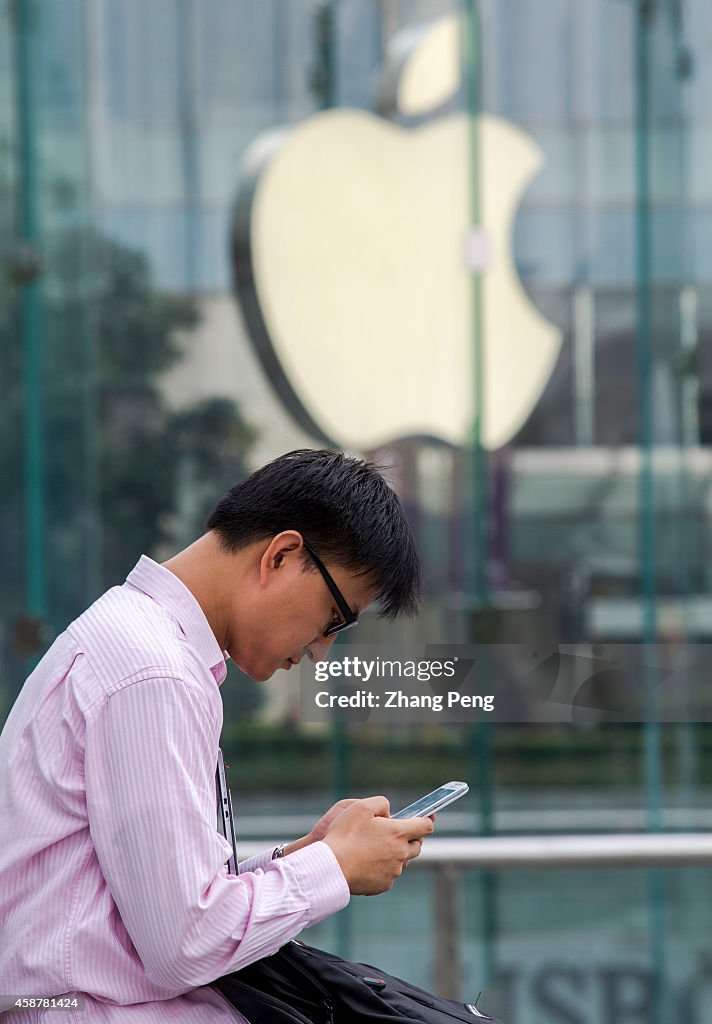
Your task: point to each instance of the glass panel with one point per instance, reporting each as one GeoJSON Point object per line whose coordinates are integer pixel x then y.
{"type": "Point", "coordinates": [575, 945]}
{"type": "Point", "coordinates": [11, 510]}
{"type": "Point", "coordinates": [136, 389]}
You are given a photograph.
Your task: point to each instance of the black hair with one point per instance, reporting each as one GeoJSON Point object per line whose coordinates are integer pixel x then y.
{"type": "Point", "coordinates": [342, 507]}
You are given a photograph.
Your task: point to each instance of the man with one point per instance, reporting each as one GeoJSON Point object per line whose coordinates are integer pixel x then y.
{"type": "Point", "coordinates": [113, 877]}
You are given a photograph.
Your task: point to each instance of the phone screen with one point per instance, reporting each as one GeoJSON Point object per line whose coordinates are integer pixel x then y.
{"type": "Point", "coordinates": [426, 803]}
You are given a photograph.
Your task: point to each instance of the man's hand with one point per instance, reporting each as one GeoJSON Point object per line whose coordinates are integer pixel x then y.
{"type": "Point", "coordinates": [324, 823]}
{"type": "Point", "coordinates": [320, 829]}
{"type": "Point", "coordinates": [373, 848]}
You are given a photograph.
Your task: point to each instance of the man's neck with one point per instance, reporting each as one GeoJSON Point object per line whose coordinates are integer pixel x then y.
{"type": "Point", "coordinates": [201, 567]}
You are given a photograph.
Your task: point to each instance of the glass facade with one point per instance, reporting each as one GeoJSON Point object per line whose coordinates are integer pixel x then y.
{"type": "Point", "coordinates": [135, 392]}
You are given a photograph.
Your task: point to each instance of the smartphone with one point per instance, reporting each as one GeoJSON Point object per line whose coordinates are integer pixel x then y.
{"type": "Point", "coordinates": [434, 801]}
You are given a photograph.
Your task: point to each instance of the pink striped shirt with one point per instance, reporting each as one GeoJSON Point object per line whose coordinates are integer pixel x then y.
{"type": "Point", "coordinates": [113, 876]}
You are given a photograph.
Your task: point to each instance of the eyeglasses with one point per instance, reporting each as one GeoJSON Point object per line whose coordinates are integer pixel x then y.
{"type": "Point", "coordinates": [350, 619]}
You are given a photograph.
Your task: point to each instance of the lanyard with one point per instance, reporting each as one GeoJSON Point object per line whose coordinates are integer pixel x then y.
{"type": "Point", "coordinates": [225, 815]}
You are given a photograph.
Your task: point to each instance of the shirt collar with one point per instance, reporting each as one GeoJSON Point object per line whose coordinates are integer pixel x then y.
{"type": "Point", "coordinates": [172, 594]}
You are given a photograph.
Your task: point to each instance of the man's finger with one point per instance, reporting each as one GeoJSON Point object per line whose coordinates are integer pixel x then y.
{"type": "Point", "coordinates": [416, 845]}
{"type": "Point", "coordinates": [343, 804]}
{"type": "Point", "coordinates": [416, 828]}
{"type": "Point", "coordinates": [379, 804]}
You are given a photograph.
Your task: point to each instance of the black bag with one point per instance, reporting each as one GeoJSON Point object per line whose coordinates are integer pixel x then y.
{"type": "Point", "coordinates": [302, 985]}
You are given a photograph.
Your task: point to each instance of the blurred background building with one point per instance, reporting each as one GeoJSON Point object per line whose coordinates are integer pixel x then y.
{"type": "Point", "coordinates": [136, 388]}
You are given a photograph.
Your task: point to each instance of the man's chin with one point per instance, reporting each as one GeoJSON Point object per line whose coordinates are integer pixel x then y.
{"type": "Point", "coordinates": [262, 677]}
{"type": "Point", "coordinates": [258, 675]}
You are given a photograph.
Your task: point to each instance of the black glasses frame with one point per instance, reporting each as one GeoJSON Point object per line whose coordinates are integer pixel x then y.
{"type": "Point", "coordinates": [350, 618]}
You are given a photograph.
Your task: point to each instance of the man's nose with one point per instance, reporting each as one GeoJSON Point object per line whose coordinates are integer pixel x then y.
{"type": "Point", "coordinates": [318, 650]}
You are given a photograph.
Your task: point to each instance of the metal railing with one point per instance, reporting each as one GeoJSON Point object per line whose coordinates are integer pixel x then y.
{"type": "Point", "coordinates": [448, 857]}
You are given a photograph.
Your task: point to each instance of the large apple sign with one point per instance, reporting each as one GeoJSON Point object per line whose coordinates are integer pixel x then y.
{"type": "Point", "coordinates": [349, 265]}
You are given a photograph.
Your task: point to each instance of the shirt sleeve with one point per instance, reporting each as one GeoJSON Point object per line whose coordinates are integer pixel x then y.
{"type": "Point", "coordinates": [150, 782]}
{"type": "Point", "coordinates": [258, 860]}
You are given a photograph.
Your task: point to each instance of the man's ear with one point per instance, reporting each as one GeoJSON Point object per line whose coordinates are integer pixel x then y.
{"type": "Point", "coordinates": [274, 554]}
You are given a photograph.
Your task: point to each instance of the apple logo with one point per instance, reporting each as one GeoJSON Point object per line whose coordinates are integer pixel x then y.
{"type": "Point", "coordinates": [349, 266]}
